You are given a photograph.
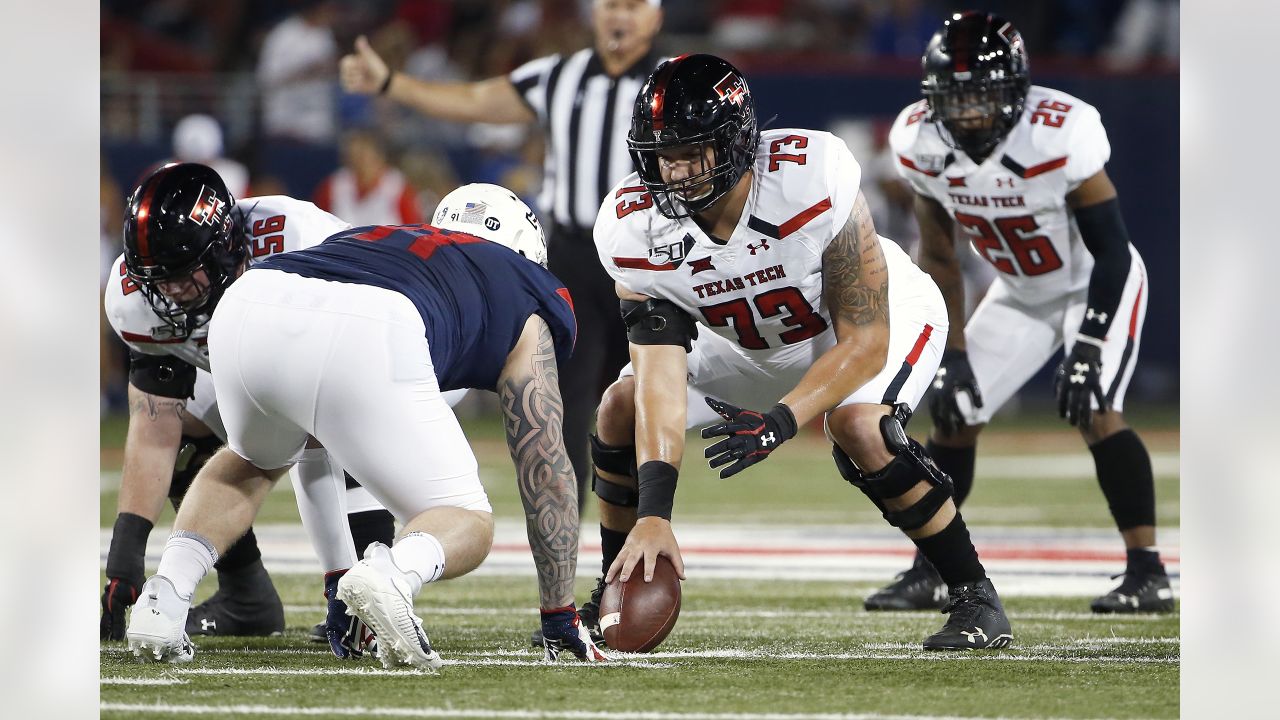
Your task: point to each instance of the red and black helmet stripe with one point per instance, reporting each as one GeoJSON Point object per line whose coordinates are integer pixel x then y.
{"type": "Point", "coordinates": [144, 220]}
{"type": "Point", "coordinates": [660, 83]}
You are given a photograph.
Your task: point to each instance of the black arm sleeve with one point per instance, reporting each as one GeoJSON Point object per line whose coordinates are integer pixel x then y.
{"type": "Point", "coordinates": [658, 322]}
{"type": "Point", "coordinates": [1104, 235]}
{"type": "Point", "coordinates": [162, 375]}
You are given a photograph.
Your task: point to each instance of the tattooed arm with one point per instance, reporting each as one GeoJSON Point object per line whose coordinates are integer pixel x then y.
{"type": "Point", "coordinates": [855, 281]}
{"type": "Point", "coordinates": [529, 390]}
{"type": "Point", "coordinates": [150, 450]}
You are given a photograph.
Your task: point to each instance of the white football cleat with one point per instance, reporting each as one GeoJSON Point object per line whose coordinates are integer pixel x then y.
{"type": "Point", "coordinates": [376, 592]}
{"type": "Point", "coordinates": [157, 626]}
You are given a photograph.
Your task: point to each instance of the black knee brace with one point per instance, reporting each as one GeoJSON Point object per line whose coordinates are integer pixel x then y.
{"type": "Point", "coordinates": [910, 465]}
{"type": "Point", "coordinates": [193, 453]}
{"type": "Point", "coordinates": [617, 460]}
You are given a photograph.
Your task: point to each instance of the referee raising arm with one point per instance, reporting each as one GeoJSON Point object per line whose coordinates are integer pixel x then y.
{"type": "Point", "coordinates": [583, 103]}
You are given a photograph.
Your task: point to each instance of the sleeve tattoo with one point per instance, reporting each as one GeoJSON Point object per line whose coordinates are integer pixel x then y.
{"type": "Point", "coordinates": [854, 274]}
{"type": "Point", "coordinates": [532, 414]}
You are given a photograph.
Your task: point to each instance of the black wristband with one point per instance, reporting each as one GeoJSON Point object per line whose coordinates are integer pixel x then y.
{"type": "Point", "coordinates": [386, 84]}
{"type": "Point", "coordinates": [786, 420]}
{"type": "Point", "coordinates": [125, 559]}
{"type": "Point", "coordinates": [657, 483]}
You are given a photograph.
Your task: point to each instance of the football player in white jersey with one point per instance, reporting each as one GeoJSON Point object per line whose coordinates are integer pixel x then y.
{"type": "Point", "coordinates": [182, 217]}
{"type": "Point", "coordinates": [1019, 171]}
{"type": "Point", "coordinates": [749, 272]}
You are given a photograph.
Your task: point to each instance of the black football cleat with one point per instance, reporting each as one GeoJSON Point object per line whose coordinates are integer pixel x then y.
{"type": "Point", "coordinates": [1141, 591]}
{"type": "Point", "coordinates": [317, 633]}
{"type": "Point", "coordinates": [246, 604]}
{"type": "Point", "coordinates": [918, 588]}
{"type": "Point", "coordinates": [589, 614]}
{"type": "Point", "coordinates": [977, 620]}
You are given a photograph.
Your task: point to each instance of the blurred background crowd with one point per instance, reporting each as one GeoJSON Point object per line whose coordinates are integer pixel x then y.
{"type": "Point", "coordinates": [251, 88]}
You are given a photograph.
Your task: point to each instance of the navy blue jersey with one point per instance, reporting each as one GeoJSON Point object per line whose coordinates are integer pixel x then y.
{"type": "Point", "coordinates": [474, 295]}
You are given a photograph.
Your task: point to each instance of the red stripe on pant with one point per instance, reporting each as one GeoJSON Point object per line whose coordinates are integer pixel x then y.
{"type": "Point", "coordinates": [908, 363]}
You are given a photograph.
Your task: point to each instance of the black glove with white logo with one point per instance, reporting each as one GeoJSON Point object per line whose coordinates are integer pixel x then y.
{"type": "Point", "coordinates": [1079, 378]}
{"type": "Point", "coordinates": [954, 376]}
{"type": "Point", "coordinates": [751, 436]}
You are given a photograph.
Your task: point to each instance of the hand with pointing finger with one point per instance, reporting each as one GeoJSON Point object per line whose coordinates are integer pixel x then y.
{"type": "Point", "coordinates": [363, 72]}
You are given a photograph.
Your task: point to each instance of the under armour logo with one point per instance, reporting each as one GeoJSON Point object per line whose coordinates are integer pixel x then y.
{"type": "Point", "coordinates": [1091, 315]}
{"type": "Point", "coordinates": [1000, 182]}
{"type": "Point", "coordinates": [766, 440]}
{"type": "Point", "coordinates": [977, 632]}
{"type": "Point", "coordinates": [207, 624]}
{"type": "Point", "coordinates": [1130, 600]}
{"type": "Point", "coordinates": [764, 245]}
{"type": "Point", "coordinates": [1080, 369]}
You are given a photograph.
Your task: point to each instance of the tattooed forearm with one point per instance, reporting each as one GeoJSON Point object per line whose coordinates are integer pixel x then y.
{"type": "Point", "coordinates": [153, 407]}
{"type": "Point", "coordinates": [854, 274]}
{"type": "Point", "coordinates": [532, 414]}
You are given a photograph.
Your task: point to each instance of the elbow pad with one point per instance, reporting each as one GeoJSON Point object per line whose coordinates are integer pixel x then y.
{"type": "Point", "coordinates": [162, 375]}
{"type": "Point", "coordinates": [658, 322]}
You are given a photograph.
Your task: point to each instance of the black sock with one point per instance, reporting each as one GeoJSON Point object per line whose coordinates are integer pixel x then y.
{"type": "Point", "coordinates": [1143, 561]}
{"type": "Point", "coordinates": [611, 542]}
{"type": "Point", "coordinates": [956, 462]}
{"type": "Point", "coordinates": [371, 526]}
{"type": "Point", "coordinates": [242, 553]}
{"type": "Point", "coordinates": [1124, 472]}
{"type": "Point", "coordinates": [952, 553]}
{"type": "Point", "coordinates": [128, 548]}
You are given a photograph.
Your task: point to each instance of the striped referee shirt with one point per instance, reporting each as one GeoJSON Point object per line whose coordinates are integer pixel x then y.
{"type": "Point", "coordinates": [586, 115]}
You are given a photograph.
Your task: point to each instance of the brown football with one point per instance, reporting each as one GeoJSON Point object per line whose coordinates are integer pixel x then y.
{"type": "Point", "coordinates": [636, 616]}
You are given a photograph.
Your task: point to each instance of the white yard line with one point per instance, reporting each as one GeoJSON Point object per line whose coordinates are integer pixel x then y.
{"type": "Point", "coordinates": [445, 712]}
{"type": "Point", "coordinates": [852, 615]}
{"type": "Point", "coordinates": [140, 681]}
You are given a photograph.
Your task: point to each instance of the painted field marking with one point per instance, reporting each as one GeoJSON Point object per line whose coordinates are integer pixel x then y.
{"type": "Point", "coordinates": [428, 712]}
{"type": "Point", "coordinates": [855, 615]}
{"type": "Point", "coordinates": [141, 681]}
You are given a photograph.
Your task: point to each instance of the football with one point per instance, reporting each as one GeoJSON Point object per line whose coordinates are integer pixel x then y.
{"type": "Point", "coordinates": [636, 616]}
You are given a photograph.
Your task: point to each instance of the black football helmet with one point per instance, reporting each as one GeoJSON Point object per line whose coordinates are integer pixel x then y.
{"type": "Point", "coordinates": [179, 222]}
{"type": "Point", "coordinates": [700, 101]}
{"type": "Point", "coordinates": [976, 79]}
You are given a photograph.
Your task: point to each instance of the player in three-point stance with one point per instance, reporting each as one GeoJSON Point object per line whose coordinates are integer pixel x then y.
{"type": "Point", "coordinates": [1018, 169]}
{"type": "Point", "coordinates": [348, 345]}
{"type": "Point", "coordinates": [748, 268]}
{"type": "Point", "coordinates": [180, 217]}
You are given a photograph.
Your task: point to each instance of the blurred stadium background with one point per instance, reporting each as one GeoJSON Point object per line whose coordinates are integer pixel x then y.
{"type": "Point", "coordinates": [273, 119]}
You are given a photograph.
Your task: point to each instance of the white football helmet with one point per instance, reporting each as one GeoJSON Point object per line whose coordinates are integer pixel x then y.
{"type": "Point", "coordinates": [494, 213]}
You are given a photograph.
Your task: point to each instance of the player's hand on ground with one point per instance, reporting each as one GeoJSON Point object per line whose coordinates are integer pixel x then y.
{"type": "Point", "coordinates": [117, 596]}
{"type": "Point", "coordinates": [562, 630]}
{"type": "Point", "coordinates": [954, 376]}
{"type": "Point", "coordinates": [362, 71]}
{"type": "Point", "coordinates": [1078, 380]}
{"type": "Point", "coordinates": [349, 638]}
{"type": "Point", "coordinates": [651, 537]}
{"type": "Point", "coordinates": [749, 436]}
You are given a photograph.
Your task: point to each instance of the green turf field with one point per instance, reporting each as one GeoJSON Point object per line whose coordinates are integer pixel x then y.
{"type": "Point", "coordinates": [743, 649]}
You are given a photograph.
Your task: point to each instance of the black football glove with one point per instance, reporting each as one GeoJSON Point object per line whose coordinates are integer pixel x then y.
{"type": "Point", "coordinates": [954, 376]}
{"type": "Point", "coordinates": [349, 638]}
{"type": "Point", "coordinates": [751, 435]}
{"type": "Point", "coordinates": [117, 596]}
{"type": "Point", "coordinates": [1079, 379]}
{"type": "Point", "coordinates": [563, 630]}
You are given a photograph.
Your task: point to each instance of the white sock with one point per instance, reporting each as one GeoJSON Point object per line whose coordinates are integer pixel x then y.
{"type": "Point", "coordinates": [420, 557]}
{"type": "Point", "coordinates": [187, 558]}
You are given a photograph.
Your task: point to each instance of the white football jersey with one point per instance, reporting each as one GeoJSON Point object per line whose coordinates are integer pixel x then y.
{"type": "Point", "coordinates": [762, 289]}
{"type": "Point", "coordinates": [1013, 206]}
{"type": "Point", "coordinates": [273, 224]}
